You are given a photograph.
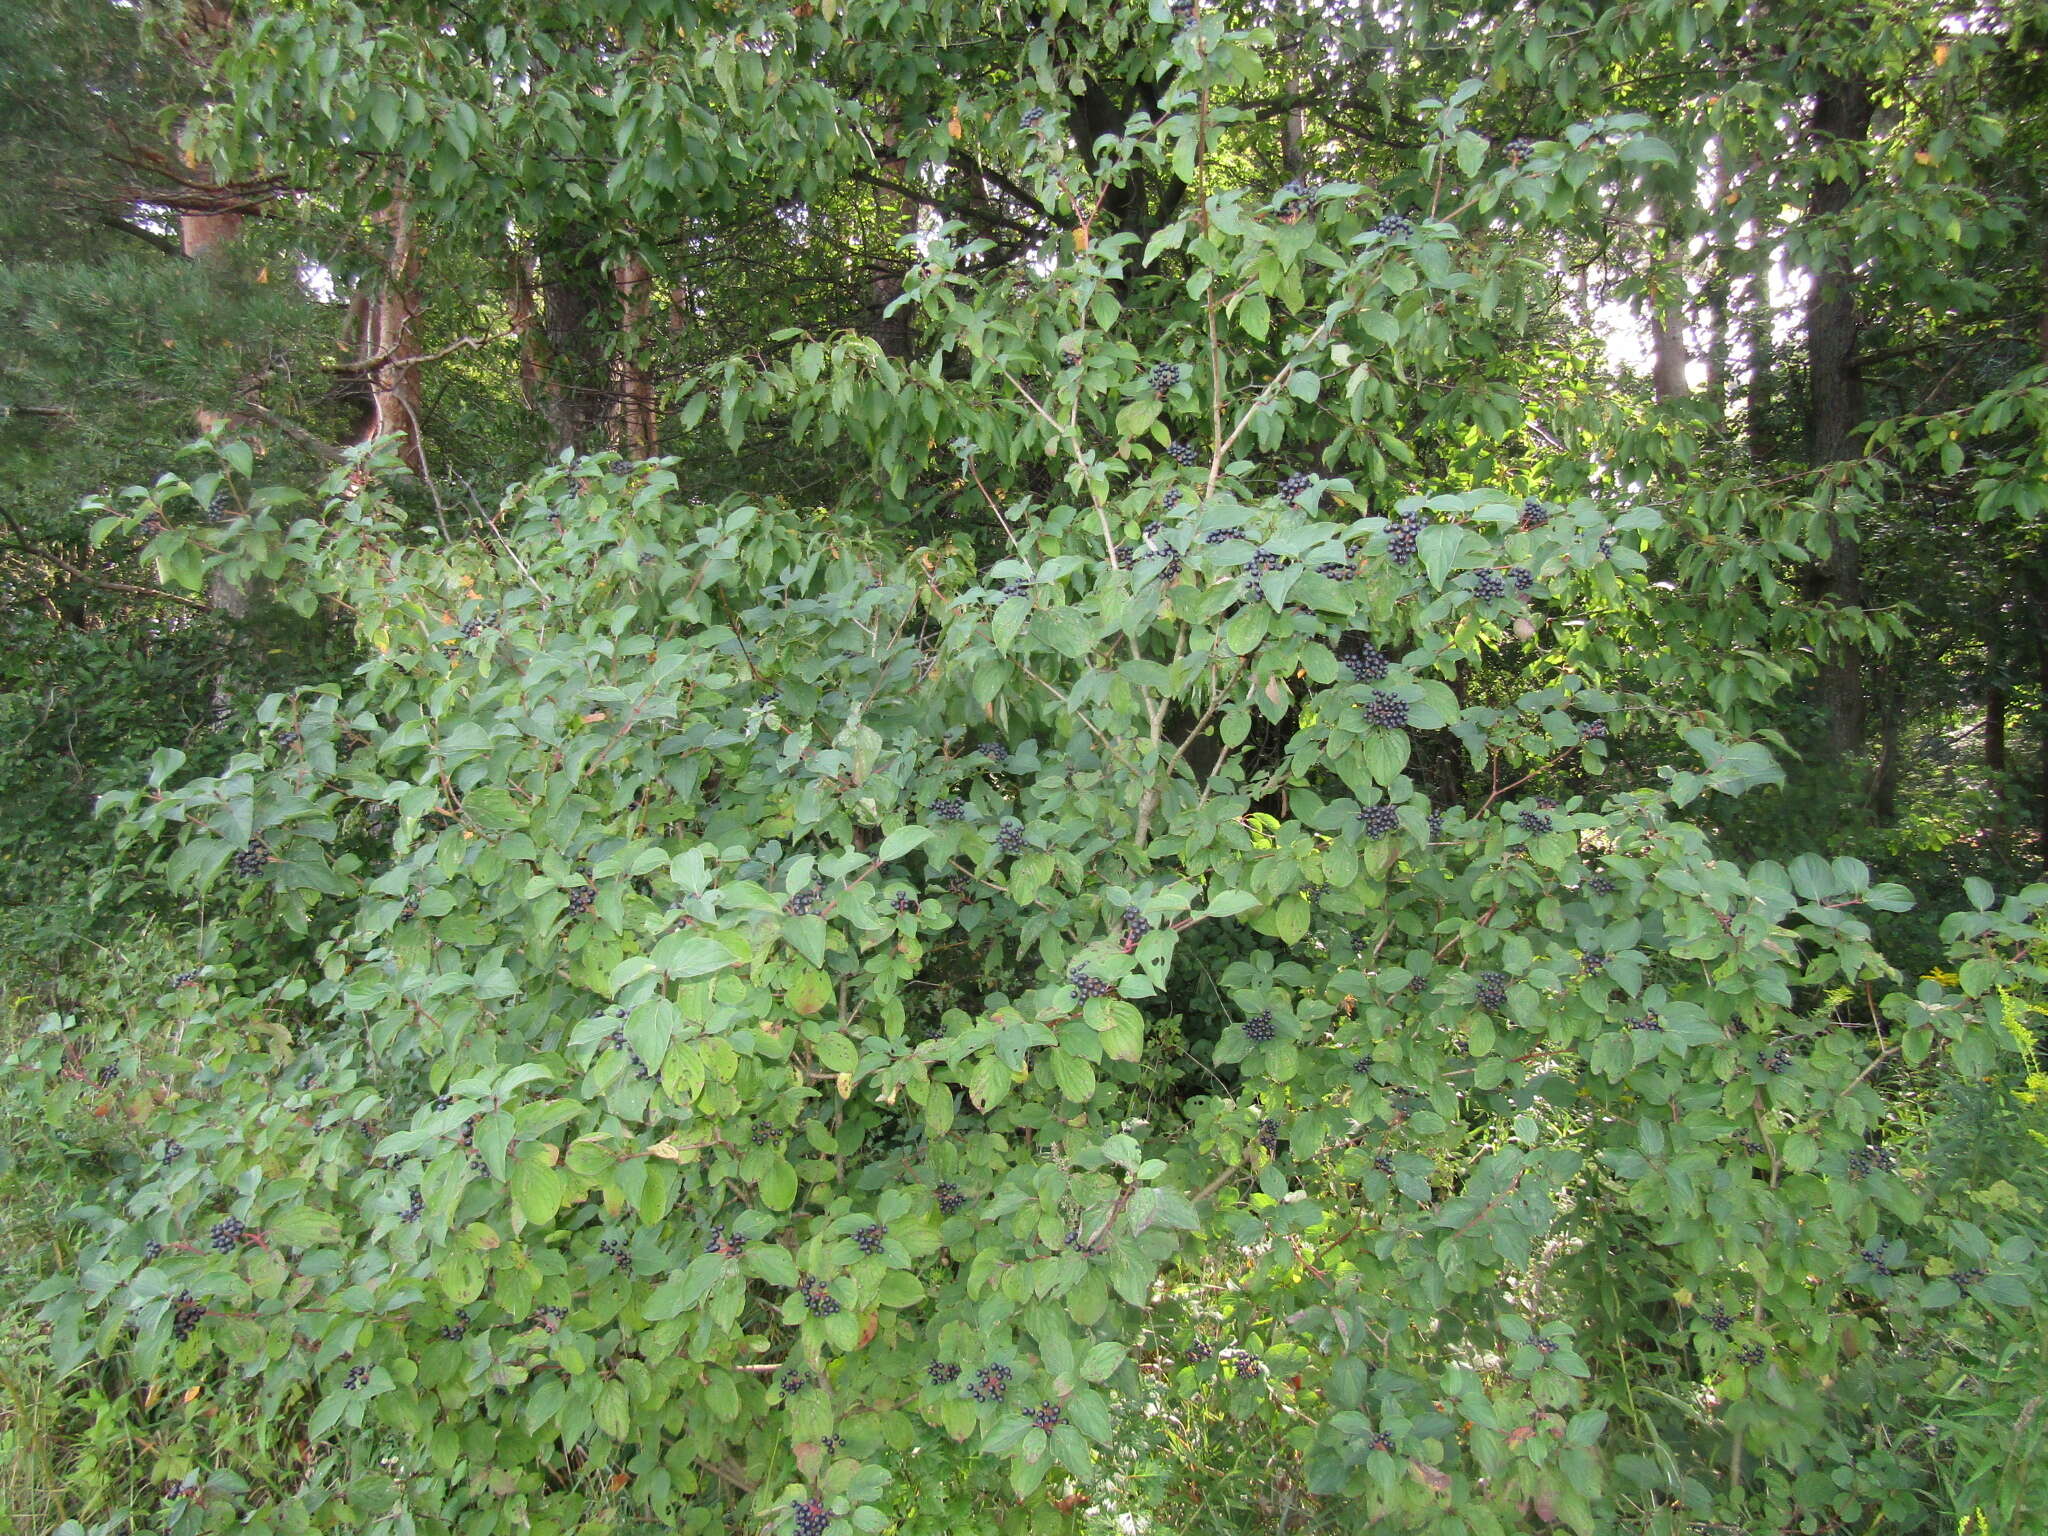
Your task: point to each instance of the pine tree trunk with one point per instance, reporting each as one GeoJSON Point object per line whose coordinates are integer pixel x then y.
{"type": "Point", "coordinates": [1884, 779]}
{"type": "Point", "coordinates": [885, 283]}
{"type": "Point", "coordinates": [579, 317]}
{"type": "Point", "coordinates": [638, 432]}
{"type": "Point", "coordinates": [1841, 114]}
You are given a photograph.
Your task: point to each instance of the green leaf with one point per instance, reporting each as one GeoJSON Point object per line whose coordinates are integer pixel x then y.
{"type": "Point", "coordinates": [1255, 316]}
{"type": "Point", "coordinates": [903, 839]}
{"type": "Point", "coordinates": [536, 1189]}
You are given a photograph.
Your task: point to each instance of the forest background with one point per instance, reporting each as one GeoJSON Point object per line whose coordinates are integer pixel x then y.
{"type": "Point", "coordinates": [937, 766]}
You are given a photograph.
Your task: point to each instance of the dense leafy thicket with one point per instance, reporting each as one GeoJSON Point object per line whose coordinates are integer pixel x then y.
{"type": "Point", "coordinates": [720, 1017]}
{"type": "Point", "coordinates": [1182, 914]}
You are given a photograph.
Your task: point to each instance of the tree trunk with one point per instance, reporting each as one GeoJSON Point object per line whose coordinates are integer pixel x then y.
{"type": "Point", "coordinates": [1841, 114]}
{"type": "Point", "coordinates": [638, 431]}
{"type": "Point", "coordinates": [578, 319]}
{"type": "Point", "coordinates": [1884, 778]}
{"type": "Point", "coordinates": [389, 344]}
{"type": "Point", "coordinates": [1668, 362]}
{"type": "Point", "coordinates": [885, 281]}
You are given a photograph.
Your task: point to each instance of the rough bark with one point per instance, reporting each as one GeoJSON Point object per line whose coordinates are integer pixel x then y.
{"type": "Point", "coordinates": [579, 316]}
{"type": "Point", "coordinates": [1668, 358]}
{"type": "Point", "coordinates": [637, 426]}
{"type": "Point", "coordinates": [1841, 114]}
{"type": "Point", "coordinates": [1884, 778]}
{"type": "Point", "coordinates": [885, 280]}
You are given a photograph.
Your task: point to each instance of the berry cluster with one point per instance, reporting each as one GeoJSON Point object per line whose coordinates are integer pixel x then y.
{"type": "Point", "coordinates": [1491, 990]}
{"type": "Point", "coordinates": [1518, 149]}
{"type": "Point", "coordinates": [1242, 1361]}
{"type": "Point", "coordinates": [1337, 570]}
{"type": "Point", "coordinates": [1522, 577]}
{"type": "Point", "coordinates": [456, 1331]}
{"type": "Point", "coordinates": [1387, 710]}
{"type": "Point", "coordinates": [549, 1318]}
{"type": "Point", "coordinates": [1222, 535]}
{"type": "Point", "coordinates": [950, 1197]}
{"type": "Point", "coordinates": [767, 1132]}
{"type": "Point", "coordinates": [1032, 117]}
{"type": "Point", "coordinates": [249, 861]}
{"type": "Point", "coordinates": [833, 1444]}
{"type": "Point", "coordinates": [1363, 661]}
{"type": "Point", "coordinates": [1592, 962]}
{"type": "Point", "coordinates": [1200, 1350]}
{"type": "Point", "coordinates": [288, 737]}
{"type": "Point", "coordinates": [1648, 1022]}
{"type": "Point", "coordinates": [821, 1302]}
{"type": "Point", "coordinates": [410, 907]}
{"type": "Point", "coordinates": [1873, 1255]}
{"type": "Point", "coordinates": [904, 901]}
{"type": "Point", "coordinates": [226, 1234]}
{"type": "Point", "coordinates": [1534, 515]}
{"type": "Point", "coordinates": [1592, 730]}
{"type": "Point", "coordinates": [730, 1244]}
{"type": "Point", "coordinates": [948, 808]}
{"type": "Point", "coordinates": [811, 1518]}
{"type": "Point", "coordinates": [181, 1487]}
{"type": "Point", "coordinates": [1544, 1346]}
{"type": "Point", "coordinates": [1046, 1415]}
{"type": "Point", "coordinates": [1292, 487]}
{"type": "Point", "coordinates": [1601, 883]}
{"type": "Point", "coordinates": [1136, 924]}
{"type": "Point", "coordinates": [1086, 986]}
{"type": "Point", "coordinates": [795, 1380]}
{"type": "Point", "coordinates": [358, 1377]}
{"type": "Point", "coordinates": [995, 751]}
{"type": "Point", "coordinates": [1269, 1134]}
{"type": "Point", "coordinates": [1164, 377]}
{"type": "Point", "coordinates": [1779, 1060]}
{"type": "Point", "coordinates": [1010, 837]}
{"type": "Point", "coordinates": [990, 1384]}
{"type": "Point", "coordinates": [185, 1316]}
{"type": "Point", "coordinates": [942, 1373]}
{"type": "Point", "coordinates": [1376, 821]}
{"type": "Point", "coordinates": [1750, 1354]}
{"type": "Point", "coordinates": [582, 899]}
{"type": "Point", "coordinates": [1394, 225]}
{"type": "Point", "coordinates": [616, 1040]}
{"type": "Point", "coordinates": [152, 1249]}
{"type": "Point", "coordinates": [1380, 1441]}
{"type": "Point", "coordinates": [869, 1238]}
{"type": "Point", "coordinates": [1182, 11]}
{"type": "Point", "coordinates": [1436, 823]}
{"type": "Point", "coordinates": [1017, 586]}
{"type": "Point", "coordinates": [620, 1255]}
{"type": "Point", "coordinates": [1535, 823]}
{"type": "Point", "coordinates": [1403, 538]}
{"type": "Point", "coordinates": [1074, 1242]}
{"type": "Point", "coordinates": [1965, 1278]}
{"type": "Point", "coordinates": [472, 629]}
{"type": "Point", "coordinates": [108, 1074]}
{"type": "Point", "coordinates": [186, 978]}
{"type": "Point", "coordinates": [1383, 1164]}
{"type": "Point", "coordinates": [1259, 1027]}
{"type": "Point", "coordinates": [153, 524]}
{"type": "Point", "coordinates": [415, 1208]}
{"type": "Point", "coordinates": [1182, 455]}
{"type": "Point", "coordinates": [1294, 202]}
{"type": "Point", "coordinates": [1487, 585]}
{"type": "Point", "coordinates": [805, 902]}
